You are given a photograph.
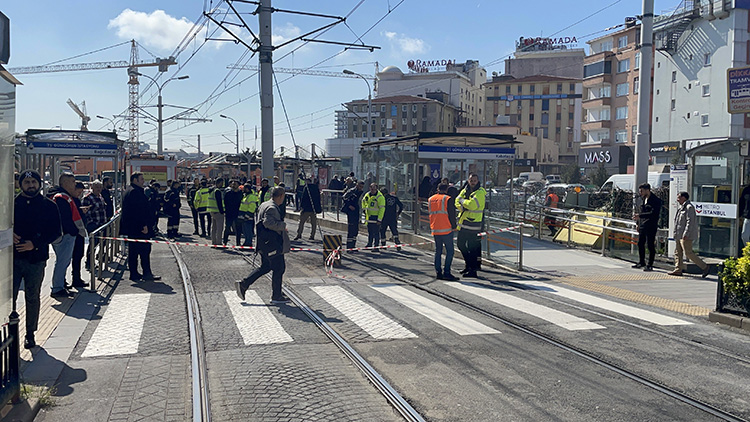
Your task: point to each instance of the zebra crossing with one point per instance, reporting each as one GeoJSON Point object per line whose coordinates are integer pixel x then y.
{"type": "Point", "coordinates": [119, 331]}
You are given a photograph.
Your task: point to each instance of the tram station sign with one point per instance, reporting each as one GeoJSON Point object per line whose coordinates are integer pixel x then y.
{"type": "Point", "coordinates": [72, 143]}
{"type": "Point", "coordinates": [459, 152]}
{"type": "Point", "coordinates": [738, 90]}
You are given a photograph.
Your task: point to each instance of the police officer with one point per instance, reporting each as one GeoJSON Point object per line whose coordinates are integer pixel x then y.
{"type": "Point", "coordinates": [470, 204]}
{"type": "Point", "coordinates": [393, 208]}
{"type": "Point", "coordinates": [352, 207]}
{"type": "Point", "coordinates": [172, 209]}
{"type": "Point", "coordinates": [216, 209]}
{"type": "Point", "coordinates": [191, 191]}
{"type": "Point", "coordinates": [201, 205]}
{"type": "Point", "coordinates": [248, 206]}
{"type": "Point", "coordinates": [373, 204]}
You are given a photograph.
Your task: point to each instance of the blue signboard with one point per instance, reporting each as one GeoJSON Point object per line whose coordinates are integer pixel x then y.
{"type": "Point", "coordinates": [738, 90]}
{"type": "Point", "coordinates": [71, 148]}
{"type": "Point", "coordinates": [458, 152]}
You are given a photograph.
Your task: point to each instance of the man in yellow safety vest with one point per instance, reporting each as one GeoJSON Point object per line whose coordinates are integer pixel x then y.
{"type": "Point", "coordinates": [470, 205]}
{"type": "Point", "coordinates": [200, 202]}
{"type": "Point", "coordinates": [248, 206]}
{"type": "Point", "coordinates": [373, 204]}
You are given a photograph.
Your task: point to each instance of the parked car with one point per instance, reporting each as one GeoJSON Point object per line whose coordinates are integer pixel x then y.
{"type": "Point", "coordinates": [627, 182]}
{"type": "Point", "coordinates": [562, 190]}
{"type": "Point", "coordinates": [553, 178]}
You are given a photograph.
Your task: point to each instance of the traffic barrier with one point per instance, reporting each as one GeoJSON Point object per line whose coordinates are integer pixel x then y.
{"type": "Point", "coordinates": [331, 244]}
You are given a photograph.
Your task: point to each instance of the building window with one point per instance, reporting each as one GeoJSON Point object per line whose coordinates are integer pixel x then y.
{"type": "Point", "coordinates": [519, 89]}
{"type": "Point", "coordinates": [531, 117]}
{"type": "Point", "coordinates": [394, 111]}
{"type": "Point", "coordinates": [559, 87]}
{"type": "Point", "coordinates": [673, 104]}
{"type": "Point", "coordinates": [622, 42]}
{"type": "Point", "coordinates": [636, 85]}
{"type": "Point", "coordinates": [623, 66]}
{"type": "Point", "coordinates": [605, 46]}
{"type": "Point", "coordinates": [605, 91]}
{"type": "Point", "coordinates": [572, 87]}
{"type": "Point", "coordinates": [707, 62]}
{"type": "Point", "coordinates": [570, 116]}
{"type": "Point", "coordinates": [704, 119]}
{"type": "Point", "coordinates": [404, 108]}
{"type": "Point", "coordinates": [545, 118]}
{"type": "Point", "coordinates": [532, 88]}
{"type": "Point", "coordinates": [531, 103]}
{"type": "Point", "coordinates": [403, 121]}
{"type": "Point", "coordinates": [621, 136]}
{"type": "Point", "coordinates": [507, 89]}
{"type": "Point", "coordinates": [674, 76]}
{"type": "Point", "coordinates": [382, 122]}
{"type": "Point", "coordinates": [604, 114]}
{"type": "Point", "coordinates": [621, 113]}
{"type": "Point", "coordinates": [633, 133]}
{"type": "Point", "coordinates": [414, 108]}
{"type": "Point", "coordinates": [623, 89]}
{"type": "Point", "coordinates": [637, 61]}
{"type": "Point", "coordinates": [598, 68]}
{"type": "Point", "coordinates": [706, 90]}
{"type": "Point", "coordinates": [382, 110]}
{"type": "Point", "coordinates": [354, 109]}
{"type": "Point", "coordinates": [545, 104]}
{"type": "Point", "coordinates": [558, 116]}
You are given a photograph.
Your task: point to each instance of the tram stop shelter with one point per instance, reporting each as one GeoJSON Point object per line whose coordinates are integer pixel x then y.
{"type": "Point", "coordinates": [43, 149]}
{"type": "Point", "coordinates": [409, 166]}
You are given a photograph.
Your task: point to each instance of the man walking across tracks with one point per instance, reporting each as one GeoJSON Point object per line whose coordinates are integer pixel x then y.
{"type": "Point", "coordinates": [273, 243]}
{"type": "Point", "coordinates": [137, 222]}
{"type": "Point", "coordinates": [352, 208]}
{"type": "Point", "coordinates": [373, 204]}
{"type": "Point", "coordinates": [685, 232]}
{"type": "Point", "coordinates": [309, 204]}
{"type": "Point", "coordinates": [393, 209]}
{"type": "Point", "coordinates": [470, 204]}
{"type": "Point", "coordinates": [648, 224]}
{"type": "Point", "coordinates": [36, 224]}
{"type": "Point", "coordinates": [442, 224]}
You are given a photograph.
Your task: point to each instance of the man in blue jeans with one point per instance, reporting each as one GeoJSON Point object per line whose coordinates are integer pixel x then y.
{"type": "Point", "coordinates": [72, 226]}
{"type": "Point", "coordinates": [442, 224]}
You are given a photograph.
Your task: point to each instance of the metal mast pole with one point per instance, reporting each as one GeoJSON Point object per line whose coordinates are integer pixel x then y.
{"type": "Point", "coordinates": [265, 59]}
{"type": "Point", "coordinates": [160, 140]}
{"type": "Point", "coordinates": [644, 98]}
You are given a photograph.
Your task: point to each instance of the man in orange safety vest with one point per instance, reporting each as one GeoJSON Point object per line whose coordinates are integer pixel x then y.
{"type": "Point", "coordinates": [442, 224]}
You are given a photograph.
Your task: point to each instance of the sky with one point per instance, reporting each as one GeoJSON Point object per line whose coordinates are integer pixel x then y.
{"type": "Point", "coordinates": [88, 31]}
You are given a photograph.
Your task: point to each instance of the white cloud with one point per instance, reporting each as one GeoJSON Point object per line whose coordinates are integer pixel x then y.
{"type": "Point", "coordinates": [285, 33]}
{"type": "Point", "coordinates": [406, 45]}
{"type": "Point", "coordinates": [156, 29]}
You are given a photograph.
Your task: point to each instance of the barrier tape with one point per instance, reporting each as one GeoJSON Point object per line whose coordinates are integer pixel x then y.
{"type": "Point", "coordinates": [498, 231]}
{"type": "Point", "coordinates": [332, 257]}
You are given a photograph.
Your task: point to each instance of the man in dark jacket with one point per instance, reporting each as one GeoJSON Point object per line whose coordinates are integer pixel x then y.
{"type": "Point", "coordinates": [191, 191]}
{"type": "Point", "coordinates": [232, 200]}
{"type": "Point", "coordinates": [78, 248]}
{"type": "Point", "coordinates": [310, 205]}
{"type": "Point", "coordinates": [172, 209]}
{"type": "Point", "coordinates": [352, 208]}
{"type": "Point", "coordinates": [137, 223]}
{"type": "Point", "coordinates": [107, 195]}
{"type": "Point", "coordinates": [393, 208]}
{"type": "Point", "coordinates": [72, 224]}
{"type": "Point", "coordinates": [648, 224]}
{"type": "Point", "coordinates": [273, 243]}
{"type": "Point", "coordinates": [36, 224]}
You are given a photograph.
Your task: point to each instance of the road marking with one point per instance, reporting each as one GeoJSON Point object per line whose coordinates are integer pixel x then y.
{"type": "Point", "coordinates": [561, 319]}
{"type": "Point", "coordinates": [254, 319]}
{"type": "Point", "coordinates": [446, 317]}
{"type": "Point", "coordinates": [119, 331]}
{"type": "Point", "coordinates": [365, 316]}
{"type": "Point", "coordinates": [605, 304]}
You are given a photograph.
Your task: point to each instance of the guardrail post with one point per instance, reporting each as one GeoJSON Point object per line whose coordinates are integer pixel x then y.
{"type": "Point", "coordinates": [604, 237]}
{"type": "Point", "coordinates": [570, 227]}
{"type": "Point", "coordinates": [92, 262]}
{"type": "Point", "coordinates": [541, 222]}
{"type": "Point", "coordinates": [520, 247]}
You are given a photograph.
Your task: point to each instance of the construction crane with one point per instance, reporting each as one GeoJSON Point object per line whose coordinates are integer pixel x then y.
{"type": "Point", "coordinates": [81, 111]}
{"type": "Point", "coordinates": [303, 72]}
{"type": "Point", "coordinates": [133, 83]}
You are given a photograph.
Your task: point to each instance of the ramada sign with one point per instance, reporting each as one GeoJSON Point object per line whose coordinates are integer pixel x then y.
{"type": "Point", "coordinates": [423, 66]}
{"type": "Point", "coordinates": [525, 42]}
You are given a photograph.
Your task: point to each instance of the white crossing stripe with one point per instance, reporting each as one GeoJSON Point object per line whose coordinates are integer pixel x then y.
{"type": "Point", "coordinates": [119, 331]}
{"type": "Point", "coordinates": [365, 316]}
{"type": "Point", "coordinates": [608, 305]}
{"type": "Point", "coordinates": [561, 319]}
{"type": "Point", "coordinates": [446, 317]}
{"type": "Point", "coordinates": [256, 323]}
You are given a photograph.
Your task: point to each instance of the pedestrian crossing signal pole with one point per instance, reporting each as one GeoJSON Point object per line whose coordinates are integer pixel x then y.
{"type": "Point", "coordinates": [265, 59]}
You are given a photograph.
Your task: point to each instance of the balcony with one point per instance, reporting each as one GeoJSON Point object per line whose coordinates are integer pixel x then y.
{"type": "Point", "coordinates": [597, 102]}
{"type": "Point", "coordinates": [598, 80]}
{"type": "Point", "coordinates": [595, 125]}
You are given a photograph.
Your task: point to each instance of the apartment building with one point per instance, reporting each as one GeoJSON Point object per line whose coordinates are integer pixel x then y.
{"type": "Point", "coordinates": [546, 56]}
{"type": "Point", "coordinates": [610, 101]}
{"type": "Point", "coordinates": [540, 105]}
{"type": "Point", "coordinates": [461, 83]}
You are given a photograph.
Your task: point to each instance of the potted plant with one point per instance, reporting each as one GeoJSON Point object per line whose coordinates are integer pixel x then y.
{"type": "Point", "coordinates": [734, 277]}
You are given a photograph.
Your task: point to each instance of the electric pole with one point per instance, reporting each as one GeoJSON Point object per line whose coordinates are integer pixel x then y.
{"type": "Point", "coordinates": [642, 143]}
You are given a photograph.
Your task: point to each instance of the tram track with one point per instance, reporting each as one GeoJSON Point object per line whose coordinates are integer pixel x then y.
{"type": "Point", "coordinates": [589, 356]}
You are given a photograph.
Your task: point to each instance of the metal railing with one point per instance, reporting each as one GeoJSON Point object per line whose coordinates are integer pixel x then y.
{"type": "Point", "coordinates": [331, 201]}
{"type": "Point", "coordinates": [10, 379]}
{"type": "Point", "coordinates": [102, 252]}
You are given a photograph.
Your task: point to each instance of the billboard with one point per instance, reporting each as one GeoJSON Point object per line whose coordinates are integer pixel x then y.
{"type": "Point", "coordinates": [738, 90]}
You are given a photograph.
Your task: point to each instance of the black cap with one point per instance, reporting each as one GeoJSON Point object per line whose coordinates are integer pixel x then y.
{"type": "Point", "coordinates": [30, 173]}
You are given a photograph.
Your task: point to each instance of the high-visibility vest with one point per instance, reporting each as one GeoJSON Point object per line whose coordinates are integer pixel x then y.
{"type": "Point", "coordinates": [249, 203]}
{"type": "Point", "coordinates": [553, 200]}
{"type": "Point", "coordinates": [212, 205]}
{"type": "Point", "coordinates": [471, 207]}
{"type": "Point", "coordinates": [200, 202]}
{"type": "Point", "coordinates": [374, 206]}
{"type": "Point", "coordinates": [439, 221]}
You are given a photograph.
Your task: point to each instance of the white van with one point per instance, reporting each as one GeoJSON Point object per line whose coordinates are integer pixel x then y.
{"type": "Point", "coordinates": [627, 182]}
{"type": "Point", "coordinates": [531, 176]}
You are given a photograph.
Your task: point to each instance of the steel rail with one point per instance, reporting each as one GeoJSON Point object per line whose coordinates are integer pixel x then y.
{"type": "Point", "coordinates": [201, 403]}
{"type": "Point", "coordinates": [682, 397]}
{"type": "Point", "coordinates": [393, 397]}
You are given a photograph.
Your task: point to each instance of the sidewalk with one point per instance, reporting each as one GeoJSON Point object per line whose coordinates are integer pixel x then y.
{"type": "Point", "coordinates": [61, 324]}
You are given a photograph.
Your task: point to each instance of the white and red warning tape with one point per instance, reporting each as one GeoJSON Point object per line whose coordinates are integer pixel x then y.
{"type": "Point", "coordinates": [507, 229]}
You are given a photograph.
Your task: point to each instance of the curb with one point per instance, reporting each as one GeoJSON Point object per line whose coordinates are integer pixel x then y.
{"type": "Point", "coordinates": [732, 320]}
{"type": "Point", "coordinates": [24, 411]}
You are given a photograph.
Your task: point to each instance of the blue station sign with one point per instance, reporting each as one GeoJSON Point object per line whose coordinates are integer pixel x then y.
{"type": "Point", "coordinates": [458, 152]}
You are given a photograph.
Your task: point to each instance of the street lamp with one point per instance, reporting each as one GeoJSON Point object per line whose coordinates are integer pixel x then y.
{"type": "Point", "coordinates": [236, 133]}
{"type": "Point", "coordinates": [110, 120]}
{"type": "Point", "coordinates": [369, 102]}
{"type": "Point", "coordinates": [160, 120]}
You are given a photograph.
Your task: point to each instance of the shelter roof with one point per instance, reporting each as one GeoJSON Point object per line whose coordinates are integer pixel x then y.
{"type": "Point", "coordinates": [448, 138]}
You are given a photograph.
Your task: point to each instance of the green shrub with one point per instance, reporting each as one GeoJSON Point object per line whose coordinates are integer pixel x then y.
{"type": "Point", "coordinates": [736, 274]}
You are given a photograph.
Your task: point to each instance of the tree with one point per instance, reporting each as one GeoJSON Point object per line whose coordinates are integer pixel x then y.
{"type": "Point", "coordinates": [571, 173]}
{"type": "Point", "coordinates": [600, 175]}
